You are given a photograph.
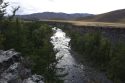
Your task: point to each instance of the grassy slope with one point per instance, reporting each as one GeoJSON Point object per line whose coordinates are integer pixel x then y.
{"type": "Point", "coordinates": [113, 16]}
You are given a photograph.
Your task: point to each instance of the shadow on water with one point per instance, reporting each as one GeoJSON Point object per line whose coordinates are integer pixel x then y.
{"type": "Point", "coordinates": [77, 73]}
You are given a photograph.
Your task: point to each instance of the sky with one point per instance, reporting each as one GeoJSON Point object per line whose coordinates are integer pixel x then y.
{"type": "Point", "coordinates": [66, 6]}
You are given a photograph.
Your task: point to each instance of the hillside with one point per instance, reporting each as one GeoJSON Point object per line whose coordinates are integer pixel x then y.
{"type": "Point", "coordinates": [52, 15]}
{"type": "Point", "coordinates": [113, 16]}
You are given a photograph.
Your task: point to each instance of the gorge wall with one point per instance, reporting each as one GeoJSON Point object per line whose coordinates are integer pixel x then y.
{"type": "Point", "coordinates": [114, 34]}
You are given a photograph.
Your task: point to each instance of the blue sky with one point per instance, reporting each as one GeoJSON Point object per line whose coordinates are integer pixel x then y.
{"type": "Point", "coordinates": [67, 6]}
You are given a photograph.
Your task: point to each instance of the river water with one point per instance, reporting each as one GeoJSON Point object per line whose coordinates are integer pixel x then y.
{"type": "Point", "coordinates": [77, 72]}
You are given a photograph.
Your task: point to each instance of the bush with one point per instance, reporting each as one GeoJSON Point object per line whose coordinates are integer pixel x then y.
{"type": "Point", "coordinates": [2, 39]}
{"type": "Point", "coordinates": [32, 39]}
{"type": "Point", "coordinates": [102, 53]}
{"type": "Point", "coordinates": [117, 64]}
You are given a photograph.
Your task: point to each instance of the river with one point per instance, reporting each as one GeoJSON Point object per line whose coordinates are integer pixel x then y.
{"type": "Point", "coordinates": [77, 72]}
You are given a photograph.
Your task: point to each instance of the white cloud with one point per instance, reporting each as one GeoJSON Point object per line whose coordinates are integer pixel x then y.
{"type": "Point", "coordinates": [68, 6]}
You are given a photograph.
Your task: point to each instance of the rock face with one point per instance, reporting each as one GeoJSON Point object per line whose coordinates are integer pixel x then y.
{"type": "Point", "coordinates": [13, 69]}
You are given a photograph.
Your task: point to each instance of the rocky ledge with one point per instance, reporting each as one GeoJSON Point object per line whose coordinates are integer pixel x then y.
{"type": "Point", "coordinates": [14, 70]}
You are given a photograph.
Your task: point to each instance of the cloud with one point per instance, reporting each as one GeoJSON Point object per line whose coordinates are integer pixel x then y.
{"type": "Point", "coordinates": [68, 6]}
{"type": "Point", "coordinates": [51, 0]}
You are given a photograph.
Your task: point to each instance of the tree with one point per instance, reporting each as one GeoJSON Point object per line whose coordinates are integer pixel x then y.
{"type": "Point", "coordinates": [3, 6]}
{"type": "Point", "coordinates": [14, 13]}
{"type": "Point", "coordinates": [2, 9]}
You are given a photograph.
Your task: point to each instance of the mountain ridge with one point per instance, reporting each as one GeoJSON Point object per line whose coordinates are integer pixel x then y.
{"type": "Point", "coordinates": [52, 15]}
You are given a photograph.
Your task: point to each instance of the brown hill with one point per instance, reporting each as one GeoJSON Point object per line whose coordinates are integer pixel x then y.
{"type": "Point", "coordinates": [113, 16]}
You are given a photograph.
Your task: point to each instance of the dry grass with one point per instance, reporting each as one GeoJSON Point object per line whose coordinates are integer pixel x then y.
{"type": "Point", "coordinates": [83, 23]}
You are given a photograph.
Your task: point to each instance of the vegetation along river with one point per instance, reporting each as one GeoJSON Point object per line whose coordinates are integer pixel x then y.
{"type": "Point", "coordinates": [77, 72]}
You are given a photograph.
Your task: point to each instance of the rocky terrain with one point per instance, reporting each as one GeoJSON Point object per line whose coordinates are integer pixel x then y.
{"type": "Point", "coordinates": [13, 69]}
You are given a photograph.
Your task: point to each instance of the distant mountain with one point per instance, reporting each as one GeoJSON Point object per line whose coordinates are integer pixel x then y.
{"type": "Point", "coordinates": [113, 16]}
{"type": "Point", "coordinates": [53, 16]}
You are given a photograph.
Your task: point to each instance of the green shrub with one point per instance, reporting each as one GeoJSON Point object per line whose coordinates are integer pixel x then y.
{"type": "Point", "coordinates": [2, 39]}
{"type": "Point", "coordinates": [117, 64]}
{"type": "Point", "coordinates": [102, 53]}
{"type": "Point", "coordinates": [32, 39]}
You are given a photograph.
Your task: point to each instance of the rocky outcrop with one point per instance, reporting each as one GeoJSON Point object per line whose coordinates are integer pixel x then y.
{"type": "Point", "coordinates": [13, 69]}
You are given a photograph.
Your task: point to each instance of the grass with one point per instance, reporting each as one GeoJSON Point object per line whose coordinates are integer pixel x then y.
{"type": "Point", "coordinates": [83, 23]}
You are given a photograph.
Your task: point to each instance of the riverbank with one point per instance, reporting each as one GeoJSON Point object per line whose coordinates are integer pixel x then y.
{"type": "Point", "coordinates": [103, 46]}
{"type": "Point", "coordinates": [78, 71]}
{"type": "Point", "coordinates": [32, 40]}
{"type": "Point", "coordinates": [101, 52]}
